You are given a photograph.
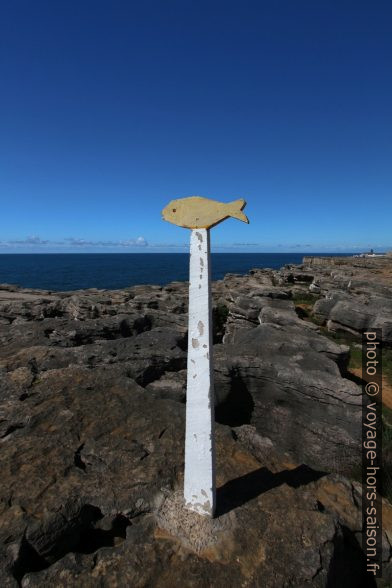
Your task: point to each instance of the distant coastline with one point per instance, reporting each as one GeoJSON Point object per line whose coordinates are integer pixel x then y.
{"type": "Point", "coordinates": [75, 271]}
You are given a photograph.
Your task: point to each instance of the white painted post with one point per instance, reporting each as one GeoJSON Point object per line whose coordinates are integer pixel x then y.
{"type": "Point", "coordinates": [199, 479]}
{"type": "Point", "coordinates": [200, 214]}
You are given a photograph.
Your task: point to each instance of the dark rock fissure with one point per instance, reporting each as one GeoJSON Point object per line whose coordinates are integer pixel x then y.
{"type": "Point", "coordinates": [78, 462]}
{"type": "Point", "coordinates": [12, 428]}
{"type": "Point", "coordinates": [125, 329]}
{"type": "Point", "coordinates": [86, 539]}
{"type": "Point", "coordinates": [182, 342]}
{"type": "Point", "coordinates": [140, 325]}
{"type": "Point", "coordinates": [220, 315]}
{"type": "Point", "coordinates": [154, 372]}
{"type": "Point", "coordinates": [301, 313]}
{"type": "Point", "coordinates": [238, 407]}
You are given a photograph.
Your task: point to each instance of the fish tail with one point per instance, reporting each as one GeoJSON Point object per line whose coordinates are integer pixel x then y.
{"type": "Point", "coordinates": [235, 210]}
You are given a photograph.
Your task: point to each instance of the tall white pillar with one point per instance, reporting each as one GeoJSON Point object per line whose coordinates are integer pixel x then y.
{"type": "Point", "coordinates": [199, 478]}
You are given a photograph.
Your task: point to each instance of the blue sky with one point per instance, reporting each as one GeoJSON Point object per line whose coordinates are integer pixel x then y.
{"type": "Point", "coordinates": [111, 109]}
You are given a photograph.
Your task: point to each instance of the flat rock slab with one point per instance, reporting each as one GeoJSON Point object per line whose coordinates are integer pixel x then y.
{"type": "Point", "coordinates": [92, 437]}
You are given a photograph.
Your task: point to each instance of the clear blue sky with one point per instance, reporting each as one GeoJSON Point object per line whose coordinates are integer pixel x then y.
{"type": "Point", "coordinates": [109, 109]}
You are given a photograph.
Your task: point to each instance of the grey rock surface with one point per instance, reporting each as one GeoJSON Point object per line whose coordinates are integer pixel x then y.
{"type": "Point", "coordinates": [92, 392]}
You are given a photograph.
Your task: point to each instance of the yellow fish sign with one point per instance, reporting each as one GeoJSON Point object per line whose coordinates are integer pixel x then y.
{"type": "Point", "coordinates": [197, 212]}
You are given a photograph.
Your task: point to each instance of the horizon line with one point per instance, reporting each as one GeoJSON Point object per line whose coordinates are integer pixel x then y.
{"type": "Point", "coordinates": [306, 253]}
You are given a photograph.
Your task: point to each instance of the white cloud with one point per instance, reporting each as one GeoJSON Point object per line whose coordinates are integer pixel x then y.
{"type": "Point", "coordinates": [246, 245]}
{"type": "Point", "coordinates": [34, 243]}
{"type": "Point", "coordinates": [170, 245]}
{"type": "Point", "coordinates": [31, 240]}
{"type": "Point", "coordinates": [71, 242]}
{"type": "Point", "coordinates": [139, 242]}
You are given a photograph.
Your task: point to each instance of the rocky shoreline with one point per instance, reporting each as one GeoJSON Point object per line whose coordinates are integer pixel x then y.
{"type": "Point", "coordinates": [92, 387]}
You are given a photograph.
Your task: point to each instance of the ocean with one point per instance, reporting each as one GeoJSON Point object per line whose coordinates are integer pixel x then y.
{"type": "Point", "coordinates": [73, 271]}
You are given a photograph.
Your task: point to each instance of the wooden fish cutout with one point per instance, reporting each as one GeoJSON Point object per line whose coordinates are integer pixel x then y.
{"type": "Point", "coordinates": [197, 212]}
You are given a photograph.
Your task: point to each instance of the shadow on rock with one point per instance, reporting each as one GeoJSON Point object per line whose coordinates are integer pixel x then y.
{"type": "Point", "coordinates": [348, 564]}
{"type": "Point", "coordinates": [238, 407]}
{"type": "Point", "coordinates": [237, 492]}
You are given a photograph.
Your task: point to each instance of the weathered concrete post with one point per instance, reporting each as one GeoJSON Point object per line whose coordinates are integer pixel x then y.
{"type": "Point", "coordinates": [200, 214]}
{"type": "Point", "coordinates": [199, 477]}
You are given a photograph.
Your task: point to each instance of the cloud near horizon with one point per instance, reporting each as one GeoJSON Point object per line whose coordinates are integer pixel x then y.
{"type": "Point", "coordinates": [34, 241]}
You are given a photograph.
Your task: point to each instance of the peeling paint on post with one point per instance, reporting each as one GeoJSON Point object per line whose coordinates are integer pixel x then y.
{"type": "Point", "coordinates": [199, 478]}
{"type": "Point", "coordinates": [199, 214]}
